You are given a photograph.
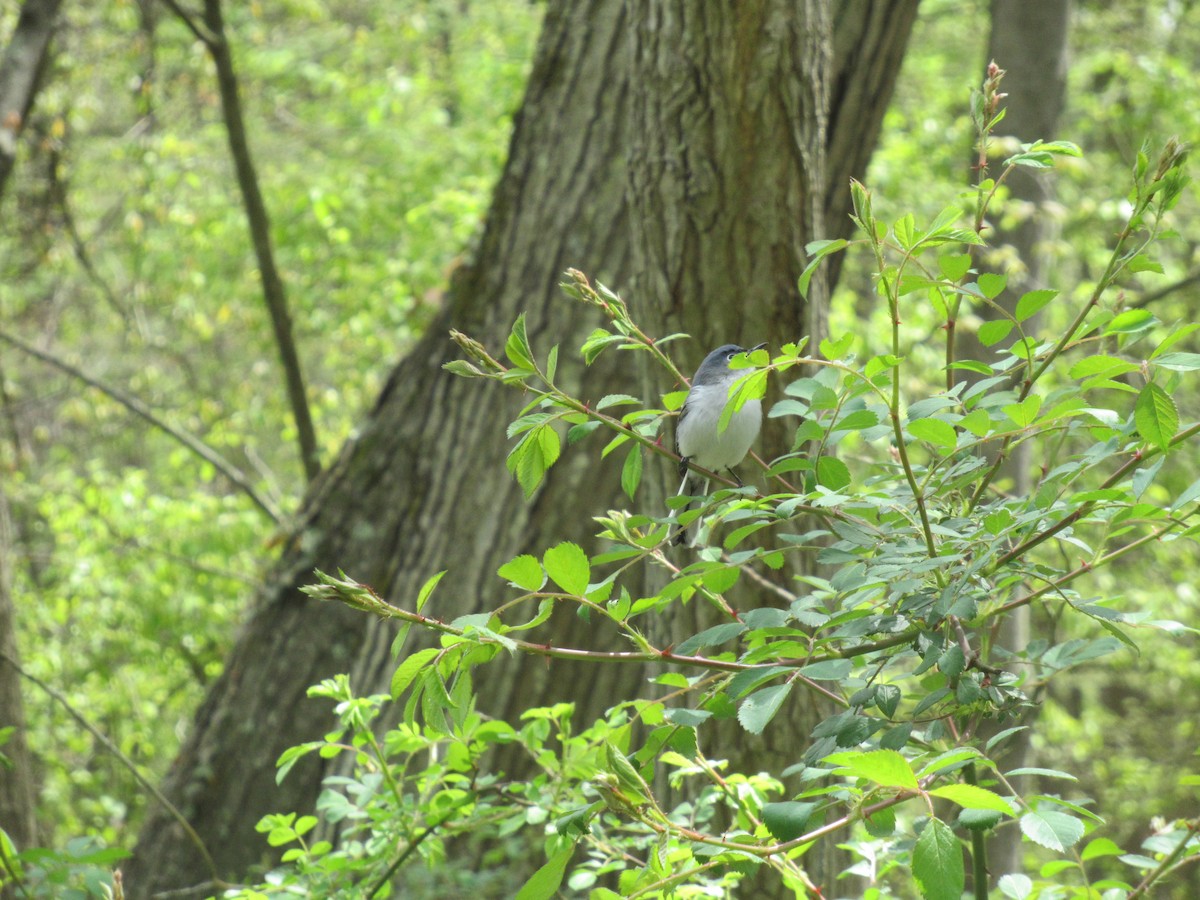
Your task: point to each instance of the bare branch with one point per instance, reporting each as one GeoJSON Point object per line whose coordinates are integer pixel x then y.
{"type": "Point", "coordinates": [191, 23]}
{"type": "Point", "coordinates": [138, 408]}
{"type": "Point", "coordinates": [1166, 290]}
{"type": "Point", "coordinates": [260, 233]}
{"type": "Point", "coordinates": [125, 761]}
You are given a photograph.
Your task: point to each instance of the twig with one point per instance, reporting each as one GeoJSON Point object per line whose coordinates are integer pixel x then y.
{"type": "Point", "coordinates": [127, 763]}
{"type": "Point", "coordinates": [138, 408]}
{"type": "Point", "coordinates": [1154, 296]}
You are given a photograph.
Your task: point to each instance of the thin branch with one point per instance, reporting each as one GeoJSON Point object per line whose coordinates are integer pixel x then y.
{"type": "Point", "coordinates": [1160, 293]}
{"type": "Point", "coordinates": [126, 762]}
{"type": "Point", "coordinates": [259, 224]}
{"type": "Point", "coordinates": [190, 23]}
{"type": "Point", "coordinates": [135, 406]}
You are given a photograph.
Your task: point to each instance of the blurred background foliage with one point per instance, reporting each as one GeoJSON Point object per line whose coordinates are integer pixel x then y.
{"type": "Point", "coordinates": [378, 130]}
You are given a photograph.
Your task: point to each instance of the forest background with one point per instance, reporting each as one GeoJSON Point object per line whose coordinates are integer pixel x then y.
{"type": "Point", "coordinates": [379, 131]}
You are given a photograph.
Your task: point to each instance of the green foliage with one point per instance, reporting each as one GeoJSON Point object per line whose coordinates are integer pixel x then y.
{"type": "Point", "coordinates": [377, 132]}
{"type": "Point", "coordinates": [892, 487]}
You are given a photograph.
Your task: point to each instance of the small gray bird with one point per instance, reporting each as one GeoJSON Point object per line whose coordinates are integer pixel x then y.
{"type": "Point", "coordinates": [697, 437]}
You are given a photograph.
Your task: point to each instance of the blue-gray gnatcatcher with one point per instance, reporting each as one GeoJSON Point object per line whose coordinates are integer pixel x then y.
{"type": "Point", "coordinates": [697, 436]}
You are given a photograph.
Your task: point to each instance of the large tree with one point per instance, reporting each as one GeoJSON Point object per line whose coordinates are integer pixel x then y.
{"type": "Point", "coordinates": [682, 152]}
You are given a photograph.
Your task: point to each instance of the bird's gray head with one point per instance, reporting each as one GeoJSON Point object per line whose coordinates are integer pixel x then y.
{"type": "Point", "coordinates": [715, 367]}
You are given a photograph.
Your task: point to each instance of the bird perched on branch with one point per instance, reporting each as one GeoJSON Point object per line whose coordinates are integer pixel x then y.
{"type": "Point", "coordinates": [698, 436]}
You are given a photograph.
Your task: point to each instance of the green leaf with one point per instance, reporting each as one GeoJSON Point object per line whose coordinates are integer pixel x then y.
{"type": "Point", "coordinates": [1131, 321]}
{"type": "Point", "coordinates": [1015, 886]}
{"type": "Point", "coordinates": [1155, 416]}
{"type": "Point", "coordinates": [1024, 413]}
{"type": "Point", "coordinates": [545, 882]}
{"type": "Point", "coordinates": [631, 471]}
{"type": "Point", "coordinates": [787, 820]}
{"type": "Point", "coordinates": [828, 670]}
{"type": "Point", "coordinates": [710, 637]}
{"type": "Point", "coordinates": [955, 267]}
{"type": "Point", "coordinates": [1100, 847]}
{"type": "Point", "coordinates": [1052, 829]}
{"type": "Point", "coordinates": [994, 331]}
{"type": "Point", "coordinates": [992, 285]}
{"type": "Point", "coordinates": [1107, 366]}
{"type": "Point", "coordinates": [934, 431]}
{"type": "Point", "coordinates": [524, 571]}
{"type": "Point", "coordinates": [832, 473]}
{"type": "Point", "coordinates": [410, 669]}
{"type": "Point", "coordinates": [1032, 302]}
{"type": "Point", "coordinates": [937, 862]}
{"type": "Point", "coordinates": [818, 250]}
{"type": "Point", "coordinates": [1143, 263]}
{"type": "Point", "coordinates": [883, 767]}
{"type": "Point", "coordinates": [973, 797]}
{"type": "Point", "coordinates": [882, 824]}
{"type": "Point", "coordinates": [517, 346]}
{"type": "Point", "coordinates": [760, 707]}
{"type": "Point", "coordinates": [427, 589]}
{"type": "Point", "coordinates": [568, 567]}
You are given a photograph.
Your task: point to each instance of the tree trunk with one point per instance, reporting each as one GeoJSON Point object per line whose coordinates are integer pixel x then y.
{"type": "Point", "coordinates": [423, 485]}
{"type": "Point", "coordinates": [17, 787]}
{"type": "Point", "coordinates": [20, 71]}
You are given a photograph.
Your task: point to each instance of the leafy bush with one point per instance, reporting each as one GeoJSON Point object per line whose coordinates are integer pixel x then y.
{"type": "Point", "coordinates": [894, 484]}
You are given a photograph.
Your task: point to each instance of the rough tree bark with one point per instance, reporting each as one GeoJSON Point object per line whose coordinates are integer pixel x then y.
{"type": "Point", "coordinates": [1028, 40]}
{"type": "Point", "coordinates": [423, 485]}
{"type": "Point", "coordinates": [20, 71]}
{"type": "Point", "coordinates": [17, 786]}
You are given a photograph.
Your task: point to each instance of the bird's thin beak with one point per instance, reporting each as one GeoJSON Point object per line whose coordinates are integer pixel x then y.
{"type": "Point", "coordinates": [758, 346]}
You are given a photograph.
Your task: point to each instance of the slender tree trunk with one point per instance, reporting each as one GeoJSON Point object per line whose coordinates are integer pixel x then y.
{"type": "Point", "coordinates": [17, 786]}
{"type": "Point", "coordinates": [1029, 41]}
{"type": "Point", "coordinates": [20, 71]}
{"type": "Point", "coordinates": [423, 485]}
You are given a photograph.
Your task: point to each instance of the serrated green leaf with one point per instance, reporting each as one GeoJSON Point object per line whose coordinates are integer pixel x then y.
{"type": "Point", "coordinates": [524, 571]}
{"type": "Point", "coordinates": [410, 669]}
{"type": "Point", "coordinates": [1155, 416]}
{"type": "Point", "coordinates": [972, 797]}
{"type": "Point", "coordinates": [787, 820]}
{"type": "Point", "coordinates": [1100, 847]}
{"type": "Point", "coordinates": [427, 589]}
{"type": "Point", "coordinates": [955, 267]}
{"type": "Point", "coordinates": [631, 471]}
{"type": "Point", "coordinates": [710, 637]}
{"type": "Point", "coordinates": [517, 346]}
{"type": "Point", "coordinates": [545, 882]}
{"type": "Point", "coordinates": [1032, 302]}
{"type": "Point", "coordinates": [1015, 886]}
{"type": "Point", "coordinates": [828, 670]}
{"type": "Point", "coordinates": [819, 250]}
{"type": "Point", "coordinates": [883, 767]}
{"type": "Point", "coordinates": [994, 331]}
{"type": "Point", "coordinates": [760, 707]}
{"type": "Point", "coordinates": [992, 285]}
{"type": "Point", "coordinates": [1107, 366]}
{"type": "Point", "coordinates": [937, 862]}
{"type": "Point", "coordinates": [832, 473]}
{"type": "Point", "coordinates": [933, 431]}
{"type": "Point", "coordinates": [1052, 829]}
{"type": "Point", "coordinates": [568, 567]}
{"type": "Point", "coordinates": [1131, 321]}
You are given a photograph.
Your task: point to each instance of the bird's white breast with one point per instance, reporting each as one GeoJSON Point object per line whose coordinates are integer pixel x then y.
{"type": "Point", "coordinates": [729, 447]}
